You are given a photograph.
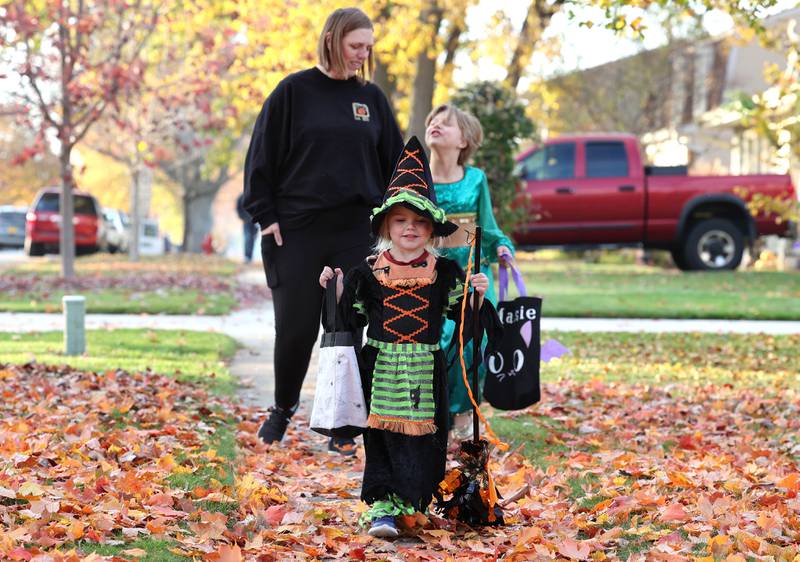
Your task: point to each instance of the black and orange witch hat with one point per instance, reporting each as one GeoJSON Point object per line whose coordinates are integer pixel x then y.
{"type": "Point", "coordinates": [412, 187]}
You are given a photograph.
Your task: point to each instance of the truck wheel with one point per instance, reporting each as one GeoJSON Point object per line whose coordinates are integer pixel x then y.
{"type": "Point", "coordinates": [714, 245]}
{"type": "Point", "coordinates": [34, 249]}
{"type": "Point", "coordinates": [679, 259]}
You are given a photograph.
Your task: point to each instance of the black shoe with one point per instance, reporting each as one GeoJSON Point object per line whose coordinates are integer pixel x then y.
{"type": "Point", "coordinates": [275, 425]}
{"type": "Point", "coordinates": [342, 445]}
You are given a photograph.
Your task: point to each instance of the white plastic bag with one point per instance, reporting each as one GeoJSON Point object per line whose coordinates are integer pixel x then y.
{"type": "Point", "coordinates": [339, 406]}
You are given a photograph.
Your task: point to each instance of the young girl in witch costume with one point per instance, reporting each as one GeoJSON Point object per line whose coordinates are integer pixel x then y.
{"type": "Point", "coordinates": [404, 293]}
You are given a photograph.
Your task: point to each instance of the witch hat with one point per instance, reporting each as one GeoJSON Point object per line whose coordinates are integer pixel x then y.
{"type": "Point", "coordinates": [412, 187]}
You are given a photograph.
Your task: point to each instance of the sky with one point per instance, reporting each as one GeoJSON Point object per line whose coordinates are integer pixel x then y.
{"type": "Point", "coordinates": [581, 47]}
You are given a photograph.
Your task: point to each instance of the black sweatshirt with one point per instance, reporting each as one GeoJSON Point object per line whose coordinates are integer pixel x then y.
{"type": "Point", "coordinates": [319, 144]}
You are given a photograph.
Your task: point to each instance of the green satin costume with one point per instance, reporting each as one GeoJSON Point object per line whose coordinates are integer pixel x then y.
{"type": "Point", "coordinates": [469, 195]}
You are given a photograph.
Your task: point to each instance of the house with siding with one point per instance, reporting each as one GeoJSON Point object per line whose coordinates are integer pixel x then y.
{"type": "Point", "coordinates": [679, 100]}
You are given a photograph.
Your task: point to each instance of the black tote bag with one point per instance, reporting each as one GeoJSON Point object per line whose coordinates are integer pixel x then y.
{"type": "Point", "coordinates": [512, 368]}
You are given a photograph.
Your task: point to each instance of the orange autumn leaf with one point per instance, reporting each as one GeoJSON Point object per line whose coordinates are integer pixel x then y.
{"type": "Point", "coordinates": [791, 482]}
{"type": "Point", "coordinates": [274, 514]}
{"type": "Point", "coordinates": [719, 545]}
{"type": "Point", "coordinates": [75, 530]}
{"type": "Point", "coordinates": [528, 536]}
{"type": "Point", "coordinates": [228, 553]}
{"type": "Point", "coordinates": [674, 513]}
{"type": "Point", "coordinates": [575, 550]}
{"type": "Point", "coordinates": [452, 480]}
{"type": "Point", "coordinates": [407, 521]}
{"type": "Point", "coordinates": [680, 479]}
{"type": "Point", "coordinates": [602, 505]}
{"type": "Point", "coordinates": [156, 527]}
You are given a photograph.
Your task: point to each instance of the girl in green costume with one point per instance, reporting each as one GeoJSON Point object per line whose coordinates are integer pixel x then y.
{"type": "Point", "coordinates": [462, 191]}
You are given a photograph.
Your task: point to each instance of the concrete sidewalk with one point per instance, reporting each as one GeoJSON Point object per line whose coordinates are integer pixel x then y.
{"type": "Point", "coordinates": [254, 329]}
{"type": "Point", "coordinates": [246, 325]}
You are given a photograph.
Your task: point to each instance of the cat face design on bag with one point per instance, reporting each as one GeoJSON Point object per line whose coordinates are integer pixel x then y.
{"type": "Point", "coordinates": [499, 364]}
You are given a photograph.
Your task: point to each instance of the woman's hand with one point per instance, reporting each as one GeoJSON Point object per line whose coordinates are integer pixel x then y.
{"type": "Point", "coordinates": [504, 254]}
{"type": "Point", "coordinates": [327, 274]}
{"type": "Point", "coordinates": [274, 230]}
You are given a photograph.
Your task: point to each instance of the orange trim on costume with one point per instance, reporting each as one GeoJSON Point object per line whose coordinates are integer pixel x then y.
{"type": "Point", "coordinates": [409, 154]}
{"type": "Point", "coordinates": [406, 338]}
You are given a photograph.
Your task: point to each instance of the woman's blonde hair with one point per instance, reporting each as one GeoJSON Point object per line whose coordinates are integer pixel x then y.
{"type": "Point", "coordinates": [340, 23]}
{"type": "Point", "coordinates": [470, 127]}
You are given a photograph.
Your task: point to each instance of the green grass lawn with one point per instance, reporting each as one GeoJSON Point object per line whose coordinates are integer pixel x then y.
{"type": "Point", "coordinates": [125, 301]}
{"type": "Point", "coordinates": [651, 358]}
{"type": "Point", "coordinates": [577, 289]}
{"type": "Point", "coordinates": [196, 356]}
{"type": "Point", "coordinates": [200, 357]}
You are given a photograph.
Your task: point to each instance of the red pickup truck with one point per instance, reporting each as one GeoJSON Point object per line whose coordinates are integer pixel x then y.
{"type": "Point", "coordinates": [595, 190]}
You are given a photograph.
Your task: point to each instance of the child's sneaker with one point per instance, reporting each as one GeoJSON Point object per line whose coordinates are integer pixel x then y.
{"type": "Point", "coordinates": [384, 528]}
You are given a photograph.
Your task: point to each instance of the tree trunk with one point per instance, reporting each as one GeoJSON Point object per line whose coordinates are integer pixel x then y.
{"type": "Point", "coordinates": [142, 177]}
{"type": "Point", "coordinates": [451, 47]}
{"type": "Point", "coordinates": [66, 239]}
{"type": "Point", "coordinates": [384, 81]}
{"type": "Point", "coordinates": [197, 219]}
{"type": "Point", "coordinates": [136, 220]}
{"type": "Point", "coordinates": [381, 75]}
{"type": "Point", "coordinates": [536, 20]}
{"type": "Point", "coordinates": [425, 79]}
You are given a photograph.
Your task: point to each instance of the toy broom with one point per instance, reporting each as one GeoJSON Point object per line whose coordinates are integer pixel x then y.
{"type": "Point", "coordinates": [468, 492]}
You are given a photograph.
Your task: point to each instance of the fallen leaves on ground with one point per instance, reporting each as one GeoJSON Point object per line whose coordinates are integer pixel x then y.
{"type": "Point", "coordinates": [635, 472]}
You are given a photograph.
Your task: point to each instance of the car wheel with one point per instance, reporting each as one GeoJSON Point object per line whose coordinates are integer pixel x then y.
{"type": "Point", "coordinates": [34, 249]}
{"type": "Point", "coordinates": [714, 245]}
{"type": "Point", "coordinates": [679, 259]}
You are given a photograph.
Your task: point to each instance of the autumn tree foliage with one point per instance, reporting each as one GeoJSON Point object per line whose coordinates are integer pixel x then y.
{"type": "Point", "coordinates": [774, 112]}
{"type": "Point", "coordinates": [504, 123]}
{"type": "Point", "coordinates": [182, 121]}
{"type": "Point", "coordinates": [76, 60]}
{"type": "Point", "coordinates": [26, 168]}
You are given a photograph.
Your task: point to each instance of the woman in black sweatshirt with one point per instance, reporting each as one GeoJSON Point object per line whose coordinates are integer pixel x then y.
{"type": "Point", "coordinates": [323, 148]}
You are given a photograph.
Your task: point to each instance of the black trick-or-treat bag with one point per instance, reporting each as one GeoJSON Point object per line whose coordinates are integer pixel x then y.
{"type": "Point", "coordinates": [339, 407]}
{"type": "Point", "coordinates": [512, 367]}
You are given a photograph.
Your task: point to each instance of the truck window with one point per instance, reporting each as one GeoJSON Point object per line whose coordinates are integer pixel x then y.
{"type": "Point", "coordinates": [49, 202]}
{"type": "Point", "coordinates": [551, 162]}
{"type": "Point", "coordinates": [606, 159]}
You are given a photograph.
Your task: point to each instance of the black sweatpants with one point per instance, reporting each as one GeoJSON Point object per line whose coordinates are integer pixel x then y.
{"type": "Point", "coordinates": [334, 238]}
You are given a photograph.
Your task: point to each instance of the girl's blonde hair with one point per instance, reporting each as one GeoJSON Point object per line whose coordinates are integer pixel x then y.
{"type": "Point", "coordinates": [384, 242]}
{"type": "Point", "coordinates": [470, 127]}
{"type": "Point", "coordinates": [340, 23]}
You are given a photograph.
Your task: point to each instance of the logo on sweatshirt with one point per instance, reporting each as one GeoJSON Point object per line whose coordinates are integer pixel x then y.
{"type": "Point", "coordinates": [360, 111]}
